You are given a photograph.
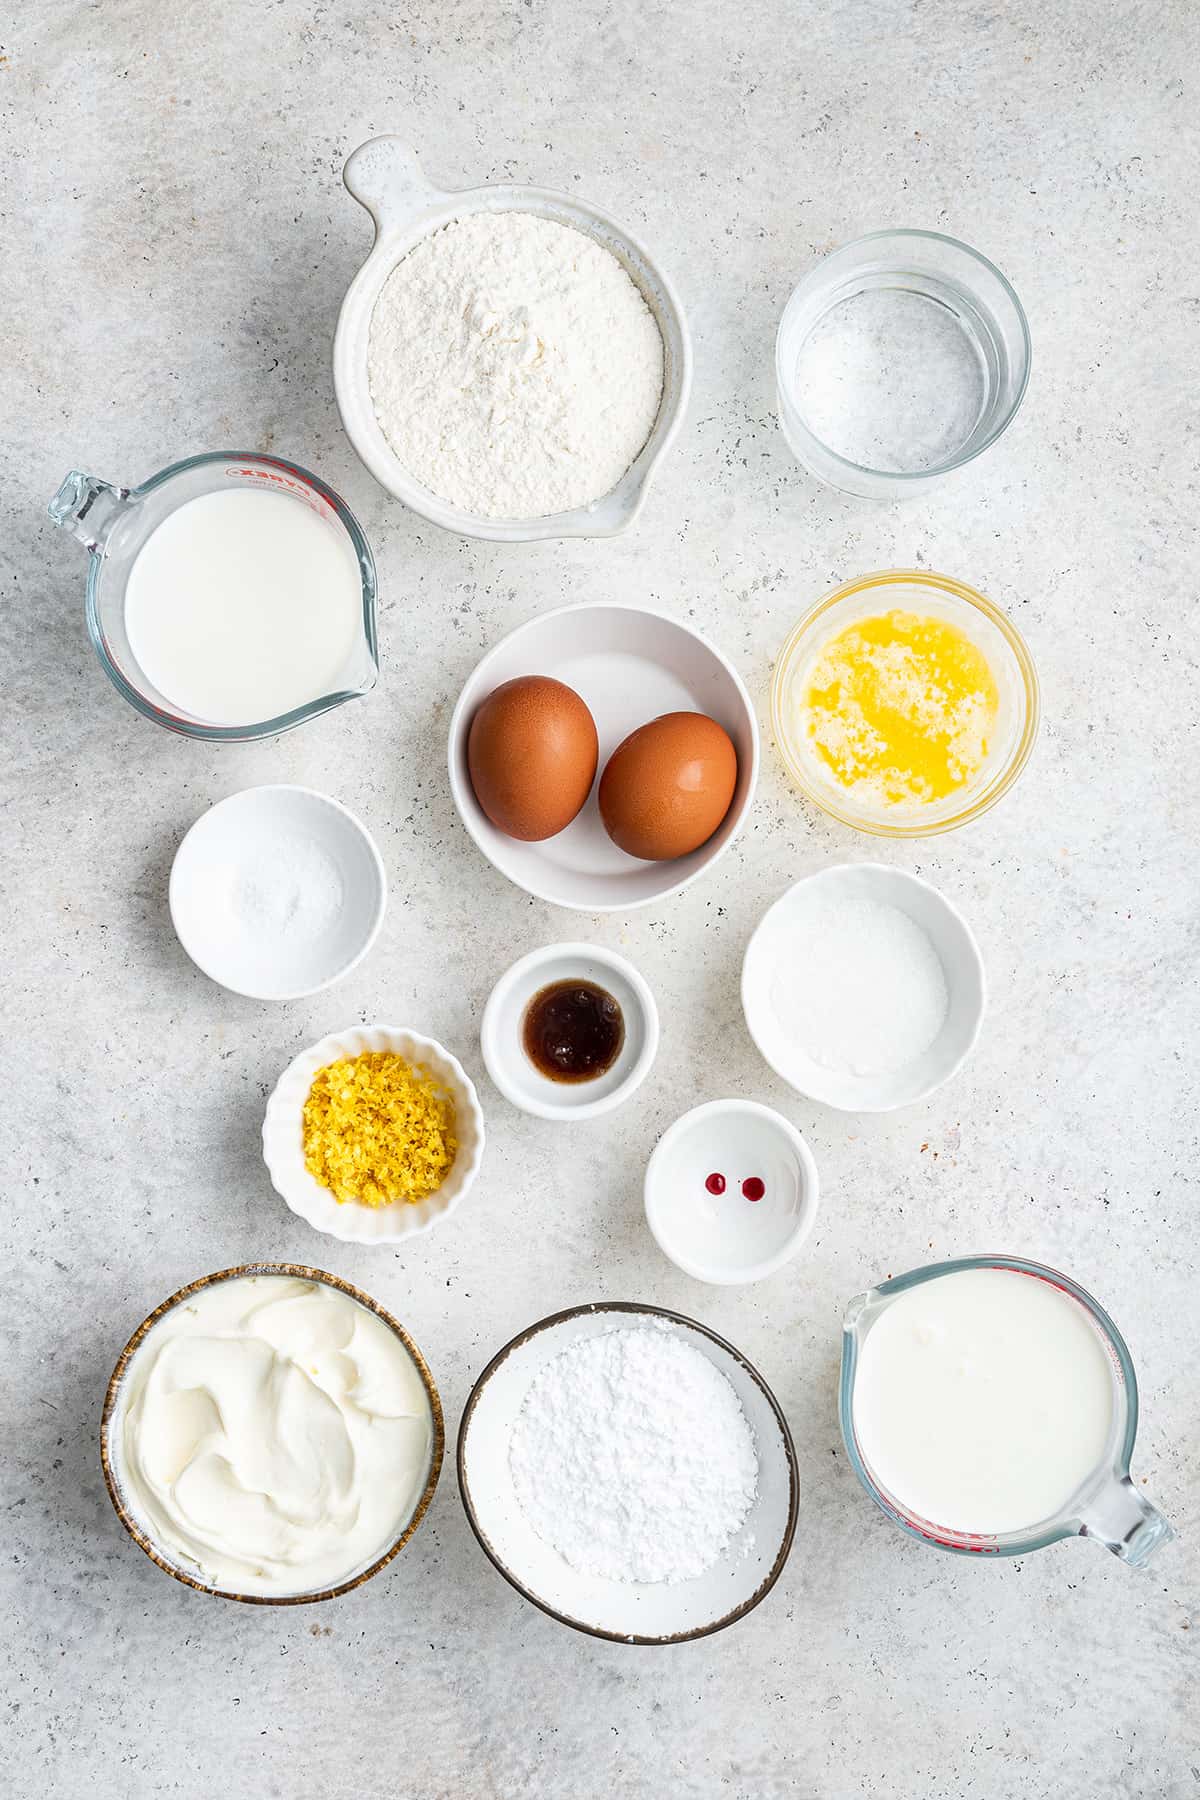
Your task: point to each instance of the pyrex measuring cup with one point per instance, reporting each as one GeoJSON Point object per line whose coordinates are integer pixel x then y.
{"type": "Point", "coordinates": [1106, 1506]}
{"type": "Point", "coordinates": [113, 523]}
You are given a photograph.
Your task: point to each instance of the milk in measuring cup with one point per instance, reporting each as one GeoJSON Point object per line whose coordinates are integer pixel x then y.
{"type": "Point", "coordinates": [243, 605]}
{"type": "Point", "coordinates": [983, 1399]}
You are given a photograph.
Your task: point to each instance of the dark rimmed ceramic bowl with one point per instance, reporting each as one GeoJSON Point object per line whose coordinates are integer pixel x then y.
{"type": "Point", "coordinates": [633, 1613]}
{"type": "Point", "coordinates": [126, 1514]}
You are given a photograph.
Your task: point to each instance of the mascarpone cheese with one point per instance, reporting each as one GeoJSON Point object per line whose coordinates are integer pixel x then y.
{"type": "Point", "coordinates": [274, 1435]}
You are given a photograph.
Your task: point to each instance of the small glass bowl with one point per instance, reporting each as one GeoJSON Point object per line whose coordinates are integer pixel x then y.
{"type": "Point", "coordinates": [899, 358]}
{"type": "Point", "coordinates": [916, 590]}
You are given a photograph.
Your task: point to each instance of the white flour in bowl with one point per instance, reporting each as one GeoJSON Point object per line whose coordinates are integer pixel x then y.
{"type": "Point", "coordinates": [632, 1456]}
{"type": "Point", "coordinates": [515, 368]}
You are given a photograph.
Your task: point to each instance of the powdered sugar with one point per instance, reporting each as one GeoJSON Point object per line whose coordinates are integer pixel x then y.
{"type": "Point", "coordinates": [515, 368]}
{"type": "Point", "coordinates": [632, 1456]}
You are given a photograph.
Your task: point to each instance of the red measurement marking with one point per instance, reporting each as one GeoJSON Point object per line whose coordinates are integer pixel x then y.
{"type": "Point", "coordinates": [316, 503]}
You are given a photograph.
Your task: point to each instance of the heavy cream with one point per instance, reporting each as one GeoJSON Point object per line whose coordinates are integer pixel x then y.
{"type": "Point", "coordinates": [243, 605]}
{"type": "Point", "coordinates": [983, 1400]}
{"type": "Point", "coordinates": [274, 1436]}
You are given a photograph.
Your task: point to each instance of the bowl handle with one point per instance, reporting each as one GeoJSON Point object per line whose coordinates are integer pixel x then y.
{"type": "Point", "coordinates": [384, 176]}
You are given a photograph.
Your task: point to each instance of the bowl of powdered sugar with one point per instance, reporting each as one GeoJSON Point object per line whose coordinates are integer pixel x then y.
{"type": "Point", "coordinates": [630, 1473]}
{"type": "Point", "coordinates": [508, 361]}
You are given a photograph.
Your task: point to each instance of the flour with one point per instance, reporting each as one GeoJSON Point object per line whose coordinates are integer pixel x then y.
{"type": "Point", "coordinates": [632, 1456]}
{"type": "Point", "coordinates": [515, 368]}
{"type": "Point", "coordinates": [860, 988]}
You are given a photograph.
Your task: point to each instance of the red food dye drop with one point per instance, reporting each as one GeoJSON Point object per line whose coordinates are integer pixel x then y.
{"type": "Point", "coordinates": [753, 1188]}
{"type": "Point", "coordinates": [715, 1184]}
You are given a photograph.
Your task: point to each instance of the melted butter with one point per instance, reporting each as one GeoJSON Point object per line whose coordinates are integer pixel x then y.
{"type": "Point", "coordinates": [899, 708]}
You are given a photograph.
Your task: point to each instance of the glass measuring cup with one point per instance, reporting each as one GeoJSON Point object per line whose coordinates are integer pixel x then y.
{"type": "Point", "coordinates": [113, 523]}
{"type": "Point", "coordinates": [1106, 1506]}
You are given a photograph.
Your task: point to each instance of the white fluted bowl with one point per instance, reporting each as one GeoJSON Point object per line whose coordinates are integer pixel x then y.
{"type": "Point", "coordinates": [283, 1141]}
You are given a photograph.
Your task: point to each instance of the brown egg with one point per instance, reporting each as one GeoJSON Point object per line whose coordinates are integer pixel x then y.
{"type": "Point", "coordinates": [532, 752]}
{"type": "Point", "coordinates": [665, 790]}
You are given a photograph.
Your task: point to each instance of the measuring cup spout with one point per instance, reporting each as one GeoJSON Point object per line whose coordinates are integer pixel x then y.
{"type": "Point", "coordinates": [1125, 1521]}
{"type": "Point", "coordinates": [87, 507]}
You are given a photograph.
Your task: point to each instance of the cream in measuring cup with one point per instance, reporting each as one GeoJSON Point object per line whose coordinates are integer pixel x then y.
{"type": "Point", "coordinates": [243, 605]}
{"type": "Point", "coordinates": [229, 596]}
{"type": "Point", "coordinates": [990, 1404]}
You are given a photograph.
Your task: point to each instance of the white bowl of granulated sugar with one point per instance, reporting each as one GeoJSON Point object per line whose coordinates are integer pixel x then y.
{"type": "Point", "coordinates": [863, 987]}
{"type": "Point", "coordinates": [508, 361]}
{"type": "Point", "coordinates": [629, 1473]}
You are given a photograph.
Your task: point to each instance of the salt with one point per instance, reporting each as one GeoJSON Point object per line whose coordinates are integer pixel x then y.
{"type": "Point", "coordinates": [862, 990]}
{"type": "Point", "coordinates": [291, 888]}
{"type": "Point", "coordinates": [892, 378]}
{"type": "Point", "coordinates": [632, 1457]}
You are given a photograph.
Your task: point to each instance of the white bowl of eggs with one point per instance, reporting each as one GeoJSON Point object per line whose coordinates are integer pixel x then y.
{"type": "Point", "coordinates": [638, 699]}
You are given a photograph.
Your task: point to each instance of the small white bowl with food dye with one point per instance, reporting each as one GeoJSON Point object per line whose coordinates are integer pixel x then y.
{"type": "Point", "coordinates": [633, 1611]}
{"type": "Point", "coordinates": [731, 1192]}
{"type": "Point", "coordinates": [353, 1221]}
{"type": "Point", "coordinates": [505, 1032]}
{"type": "Point", "coordinates": [629, 665]}
{"type": "Point", "coordinates": [864, 988]}
{"type": "Point", "coordinates": [277, 892]}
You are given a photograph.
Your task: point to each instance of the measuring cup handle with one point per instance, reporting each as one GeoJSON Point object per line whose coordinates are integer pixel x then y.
{"type": "Point", "coordinates": [1125, 1521]}
{"type": "Point", "coordinates": [384, 176]}
{"type": "Point", "coordinates": [86, 507]}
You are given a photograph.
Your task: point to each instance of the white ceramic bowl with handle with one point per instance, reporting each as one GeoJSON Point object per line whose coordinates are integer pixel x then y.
{"type": "Point", "coordinates": [283, 1139]}
{"type": "Point", "coordinates": [385, 177]}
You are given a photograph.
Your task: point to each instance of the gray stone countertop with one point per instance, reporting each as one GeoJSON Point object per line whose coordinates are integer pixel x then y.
{"type": "Point", "coordinates": [176, 242]}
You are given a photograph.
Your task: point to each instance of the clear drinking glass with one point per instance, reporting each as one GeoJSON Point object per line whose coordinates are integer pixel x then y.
{"type": "Point", "coordinates": [899, 358]}
{"type": "Point", "coordinates": [1107, 1506]}
{"type": "Point", "coordinates": [113, 523]}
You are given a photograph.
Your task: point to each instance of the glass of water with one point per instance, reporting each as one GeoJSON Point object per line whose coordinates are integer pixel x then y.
{"type": "Point", "coordinates": [900, 357]}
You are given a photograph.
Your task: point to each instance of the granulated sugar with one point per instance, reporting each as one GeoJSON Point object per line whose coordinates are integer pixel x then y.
{"type": "Point", "coordinates": [632, 1456]}
{"type": "Point", "coordinates": [861, 989]}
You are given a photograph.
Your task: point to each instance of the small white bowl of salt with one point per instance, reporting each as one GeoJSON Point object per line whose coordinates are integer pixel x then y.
{"type": "Point", "coordinates": [277, 892]}
{"type": "Point", "coordinates": [863, 987]}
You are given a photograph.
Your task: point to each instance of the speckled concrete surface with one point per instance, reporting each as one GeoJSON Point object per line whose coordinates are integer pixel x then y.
{"type": "Point", "coordinates": [175, 245]}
